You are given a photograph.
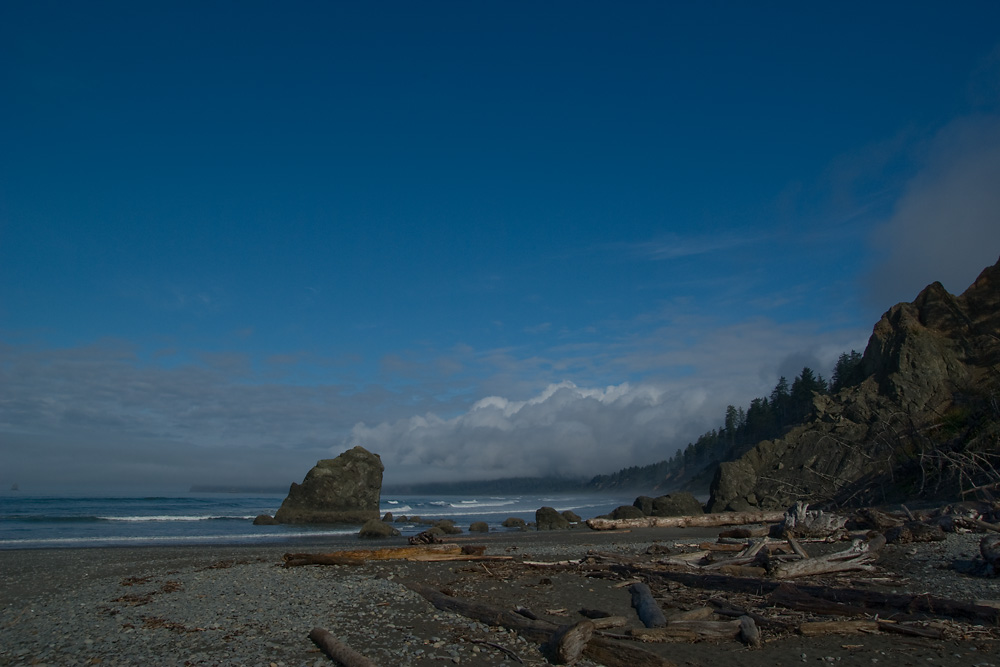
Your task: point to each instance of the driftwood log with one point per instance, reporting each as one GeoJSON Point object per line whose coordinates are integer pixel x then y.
{"type": "Point", "coordinates": [885, 604]}
{"type": "Point", "coordinates": [338, 651]}
{"type": "Point", "coordinates": [858, 557]}
{"type": "Point", "coordinates": [599, 649]}
{"type": "Point", "coordinates": [749, 632]}
{"type": "Point", "coordinates": [690, 521]}
{"type": "Point", "coordinates": [645, 606]}
{"type": "Point", "coordinates": [743, 628]}
{"type": "Point", "coordinates": [688, 631]}
{"type": "Point", "coordinates": [567, 644]}
{"type": "Point", "coordinates": [989, 548]}
{"type": "Point", "coordinates": [424, 552]}
{"type": "Point", "coordinates": [818, 628]}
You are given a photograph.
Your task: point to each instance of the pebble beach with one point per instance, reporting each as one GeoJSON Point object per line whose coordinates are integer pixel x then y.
{"type": "Point", "coordinates": [236, 605]}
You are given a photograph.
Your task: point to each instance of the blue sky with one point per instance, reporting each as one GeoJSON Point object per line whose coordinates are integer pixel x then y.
{"type": "Point", "coordinates": [479, 239]}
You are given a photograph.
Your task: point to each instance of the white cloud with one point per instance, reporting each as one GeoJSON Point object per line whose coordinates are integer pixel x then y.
{"type": "Point", "coordinates": [563, 430]}
{"type": "Point", "coordinates": [946, 226]}
{"type": "Point", "coordinates": [104, 414]}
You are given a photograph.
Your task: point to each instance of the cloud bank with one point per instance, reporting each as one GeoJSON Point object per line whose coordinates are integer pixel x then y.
{"type": "Point", "coordinates": [565, 430]}
{"type": "Point", "coordinates": [947, 223]}
{"type": "Point", "coordinates": [104, 416]}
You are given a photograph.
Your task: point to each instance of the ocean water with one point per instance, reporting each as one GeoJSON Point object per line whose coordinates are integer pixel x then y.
{"type": "Point", "coordinates": [31, 522]}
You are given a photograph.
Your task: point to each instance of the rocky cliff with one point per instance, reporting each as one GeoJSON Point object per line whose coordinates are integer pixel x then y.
{"type": "Point", "coordinates": [923, 422]}
{"type": "Point", "coordinates": [346, 489]}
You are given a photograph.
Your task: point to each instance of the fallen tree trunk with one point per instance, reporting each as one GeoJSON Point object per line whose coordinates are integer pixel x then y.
{"type": "Point", "coordinates": [599, 649]}
{"type": "Point", "coordinates": [568, 643]}
{"type": "Point", "coordinates": [793, 598]}
{"type": "Point", "coordinates": [818, 628]}
{"type": "Point", "coordinates": [338, 651]}
{"type": "Point", "coordinates": [883, 603]}
{"type": "Point", "coordinates": [690, 521]}
{"type": "Point", "coordinates": [424, 552]}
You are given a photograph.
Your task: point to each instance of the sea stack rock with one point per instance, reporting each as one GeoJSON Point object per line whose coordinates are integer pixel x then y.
{"type": "Point", "coordinates": [346, 489]}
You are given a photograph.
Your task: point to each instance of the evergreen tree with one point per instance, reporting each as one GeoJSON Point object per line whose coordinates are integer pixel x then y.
{"type": "Point", "coordinates": [847, 372]}
{"type": "Point", "coordinates": [780, 402]}
{"type": "Point", "coordinates": [732, 424]}
{"type": "Point", "coordinates": [803, 388]}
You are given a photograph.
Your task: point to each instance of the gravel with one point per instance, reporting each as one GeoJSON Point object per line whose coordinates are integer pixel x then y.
{"type": "Point", "coordinates": [237, 606]}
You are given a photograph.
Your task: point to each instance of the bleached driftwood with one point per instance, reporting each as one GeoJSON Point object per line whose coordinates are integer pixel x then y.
{"type": "Point", "coordinates": [690, 521]}
{"type": "Point", "coordinates": [800, 521]}
{"type": "Point", "coordinates": [858, 557]}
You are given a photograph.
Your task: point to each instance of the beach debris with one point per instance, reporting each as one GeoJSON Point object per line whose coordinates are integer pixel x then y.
{"type": "Point", "coordinates": [646, 607]}
{"type": "Point", "coordinates": [600, 649]}
{"type": "Point", "coordinates": [566, 645]}
{"type": "Point", "coordinates": [989, 548]}
{"type": "Point", "coordinates": [800, 521]}
{"type": "Point", "coordinates": [858, 557]}
{"type": "Point", "coordinates": [337, 650]}
{"type": "Point", "coordinates": [689, 521]}
{"type": "Point", "coordinates": [425, 552]}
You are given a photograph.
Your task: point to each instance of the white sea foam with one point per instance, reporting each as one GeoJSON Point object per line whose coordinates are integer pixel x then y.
{"type": "Point", "coordinates": [401, 509]}
{"type": "Point", "coordinates": [166, 539]}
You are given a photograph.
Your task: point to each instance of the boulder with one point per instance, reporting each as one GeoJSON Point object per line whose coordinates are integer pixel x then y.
{"type": "Point", "coordinates": [376, 529]}
{"type": "Point", "coordinates": [644, 504]}
{"type": "Point", "coordinates": [387, 517]}
{"type": "Point", "coordinates": [626, 512]}
{"type": "Point", "coordinates": [547, 518]}
{"type": "Point", "coordinates": [479, 527]}
{"type": "Point", "coordinates": [265, 520]}
{"type": "Point", "coordinates": [448, 527]}
{"type": "Point", "coordinates": [514, 522]}
{"type": "Point", "coordinates": [679, 503]}
{"type": "Point", "coordinates": [571, 516]}
{"type": "Point", "coordinates": [346, 489]}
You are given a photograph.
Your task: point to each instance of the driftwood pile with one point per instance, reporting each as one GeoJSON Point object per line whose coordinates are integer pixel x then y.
{"type": "Point", "coordinates": [748, 586]}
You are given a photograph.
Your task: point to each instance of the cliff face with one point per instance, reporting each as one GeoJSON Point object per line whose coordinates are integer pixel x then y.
{"type": "Point", "coordinates": [929, 398]}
